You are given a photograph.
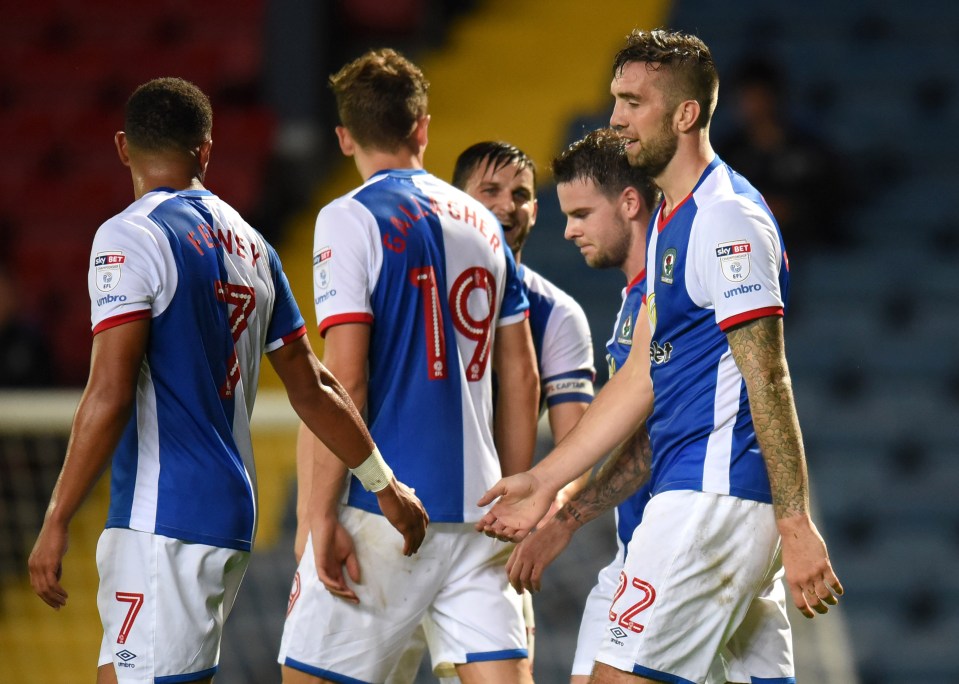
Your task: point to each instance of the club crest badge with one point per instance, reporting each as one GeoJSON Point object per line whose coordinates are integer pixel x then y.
{"type": "Point", "coordinates": [108, 269]}
{"type": "Point", "coordinates": [626, 331]}
{"type": "Point", "coordinates": [668, 266]}
{"type": "Point", "coordinates": [734, 259]}
{"type": "Point", "coordinates": [322, 259]}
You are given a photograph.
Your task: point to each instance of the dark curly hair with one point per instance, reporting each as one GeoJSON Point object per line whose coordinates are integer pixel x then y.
{"type": "Point", "coordinates": [686, 58]}
{"type": "Point", "coordinates": [379, 97]}
{"type": "Point", "coordinates": [600, 156]}
{"type": "Point", "coordinates": [496, 155]}
{"type": "Point", "coordinates": [168, 114]}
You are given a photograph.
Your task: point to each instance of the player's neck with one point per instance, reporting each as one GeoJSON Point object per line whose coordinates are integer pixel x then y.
{"type": "Point", "coordinates": [371, 162]}
{"type": "Point", "coordinates": [680, 176]}
{"type": "Point", "coordinates": [636, 259]}
{"type": "Point", "coordinates": [159, 176]}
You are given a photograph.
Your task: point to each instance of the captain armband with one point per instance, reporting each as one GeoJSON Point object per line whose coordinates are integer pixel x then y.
{"type": "Point", "coordinates": [373, 473]}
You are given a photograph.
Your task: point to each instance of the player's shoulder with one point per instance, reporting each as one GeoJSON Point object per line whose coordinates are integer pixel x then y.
{"type": "Point", "coordinates": [135, 220]}
{"type": "Point", "coordinates": [561, 304]}
{"type": "Point", "coordinates": [727, 202]}
{"type": "Point", "coordinates": [541, 285]}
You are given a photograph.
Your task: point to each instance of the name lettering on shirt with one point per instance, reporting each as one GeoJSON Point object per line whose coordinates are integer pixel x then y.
{"type": "Point", "coordinates": [403, 220]}
{"type": "Point", "coordinates": [204, 237]}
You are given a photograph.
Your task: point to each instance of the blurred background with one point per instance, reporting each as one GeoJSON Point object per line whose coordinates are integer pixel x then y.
{"type": "Point", "coordinates": [843, 114]}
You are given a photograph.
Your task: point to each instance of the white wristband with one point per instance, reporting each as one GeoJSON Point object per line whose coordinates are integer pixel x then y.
{"type": "Point", "coordinates": [373, 473]}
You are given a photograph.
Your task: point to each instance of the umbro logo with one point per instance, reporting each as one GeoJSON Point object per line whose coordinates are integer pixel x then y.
{"type": "Point", "coordinates": [618, 632]}
{"type": "Point", "coordinates": [126, 655]}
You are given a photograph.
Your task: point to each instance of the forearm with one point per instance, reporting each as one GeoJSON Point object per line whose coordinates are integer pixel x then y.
{"type": "Point", "coordinates": [515, 428]}
{"type": "Point", "coordinates": [329, 413]}
{"type": "Point", "coordinates": [517, 399]}
{"type": "Point", "coordinates": [562, 419]}
{"type": "Point", "coordinates": [320, 478]}
{"type": "Point", "coordinates": [623, 404]}
{"type": "Point", "coordinates": [759, 353]}
{"type": "Point", "coordinates": [323, 403]}
{"type": "Point", "coordinates": [625, 471]}
{"type": "Point", "coordinates": [777, 431]}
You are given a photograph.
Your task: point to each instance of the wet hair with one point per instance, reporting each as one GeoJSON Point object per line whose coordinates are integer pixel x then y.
{"type": "Point", "coordinates": [685, 57]}
{"type": "Point", "coordinates": [600, 156]}
{"type": "Point", "coordinates": [380, 97]}
{"type": "Point", "coordinates": [495, 154]}
{"type": "Point", "coordinates": [168, 114]}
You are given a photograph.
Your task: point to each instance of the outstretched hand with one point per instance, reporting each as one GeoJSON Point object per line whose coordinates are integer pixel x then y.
{"type": "Point", "coordinates": [405, 511]}
{"type": "Point", "coordinates": [809, 574]}
{"type": "Point", "coordinates": [523, 501]}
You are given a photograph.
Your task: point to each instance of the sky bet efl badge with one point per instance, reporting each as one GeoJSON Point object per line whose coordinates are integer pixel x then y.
{"type": "Point", "coordinates": [734, 259]}
{"type": "Point", "coordinates": [107, 266]}
{"type": "Point", "coordinates": [321, 268]}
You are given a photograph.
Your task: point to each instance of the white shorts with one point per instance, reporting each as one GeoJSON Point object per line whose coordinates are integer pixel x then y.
{"type": "Point", "coordinates": [163, 603]}
{"type": "Point", "coordinates": [702, 572]}
{"type": "Point", "coordinates": [409, 664]}
{"type": "Point", "coordinates": [592, 628]}
{"type": "Point", "coordinates": [455, 585]}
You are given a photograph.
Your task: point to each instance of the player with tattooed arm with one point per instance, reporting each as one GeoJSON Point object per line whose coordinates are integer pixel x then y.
{"type": "Point", "coordinates": [729, 514]}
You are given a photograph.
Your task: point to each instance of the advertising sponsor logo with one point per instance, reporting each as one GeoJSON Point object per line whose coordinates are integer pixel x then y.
{"type": "Point", "coordinates": [734, 259]}
{"type": "Point", "coordinates": [660, 353]}
{"type": "Point", "coordinates": [742, 289]}
{"type": "Point", "coordinates": [125, 657]}
{"type": "Point", "coordinates": [323, 297]}
{"type": "Point", "coordinates": [618, 632]}
{"type": "Point", "coordinates": [322, 260]}
{"type": "Point", "coordinates": [108, 267]}
{"type": "Point", "coordinates": [110, 299]}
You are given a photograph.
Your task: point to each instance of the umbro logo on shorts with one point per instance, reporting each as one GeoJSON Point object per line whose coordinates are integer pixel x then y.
{"type": "Point", "coordinates": [618, 632]}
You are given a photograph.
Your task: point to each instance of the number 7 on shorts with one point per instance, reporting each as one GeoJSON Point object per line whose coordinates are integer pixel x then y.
{"type": "Point", "coordinates": [136, 602]}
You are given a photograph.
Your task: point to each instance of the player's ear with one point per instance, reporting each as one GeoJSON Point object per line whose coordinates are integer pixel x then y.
{"type": "Point", "coordinates": [347, 144]}
{"type": "Point", "coordinates": [120, 141]}
{"type": "Point", "coordinates": [420, 133]}
{"type": "Point", "coordinates": [203, 155]}
{"type": "Point", "coordinates": [630, 202]}
{"type": "Point", "coordinates": [686, 115]}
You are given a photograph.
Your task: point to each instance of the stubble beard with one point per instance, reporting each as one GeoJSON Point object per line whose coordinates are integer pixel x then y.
{"type": "Point", "coordinates": [617, 253]}
{"type": "Point", "coordinates": [654, 156]}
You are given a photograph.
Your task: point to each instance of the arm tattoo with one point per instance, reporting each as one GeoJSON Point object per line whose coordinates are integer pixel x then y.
{"type": "Point", "coordinates": [759, 352]}
{"type": "Point", "coordinates": [623, 473]}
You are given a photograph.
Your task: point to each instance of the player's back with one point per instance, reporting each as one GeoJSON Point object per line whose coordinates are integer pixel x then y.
{"type": "Point", "coordinates": [210, 285]}
{"type": "Point", "coordinates": [428, 268]}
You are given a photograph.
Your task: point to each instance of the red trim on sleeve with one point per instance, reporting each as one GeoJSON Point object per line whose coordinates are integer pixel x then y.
{"type": "Point", "coordinates": [340, 319]}
{"type": "Point", "coordinates": [636, 280]}
{"type": "Point", "coordinates": [295, 335]}
{"type": "Point", "coordinates": [727, 323]}
{"type": "Point", "coordinates": [120, 319]}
